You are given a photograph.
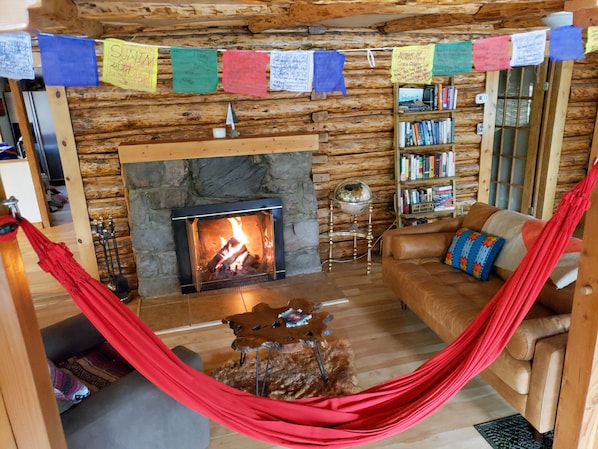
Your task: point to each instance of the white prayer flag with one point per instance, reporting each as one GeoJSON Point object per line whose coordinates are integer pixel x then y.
{"type": "Point", "coordinates": [528, 48]}
{"type": "Point", "coordinates": [16, 59]}
{"type": "Point", "coordinates": [291, 70]}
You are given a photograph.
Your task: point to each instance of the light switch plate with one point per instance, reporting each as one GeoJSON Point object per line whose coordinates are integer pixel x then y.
{"type": "Point", "coordinates": [479, 129]}
{"type": "Point", "coordinates": [481, 98]}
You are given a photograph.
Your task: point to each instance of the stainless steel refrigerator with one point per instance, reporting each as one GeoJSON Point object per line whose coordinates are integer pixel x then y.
{"type": "Point", "coordinates": [42, 126]}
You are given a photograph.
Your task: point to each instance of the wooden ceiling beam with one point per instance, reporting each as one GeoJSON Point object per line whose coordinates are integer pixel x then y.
{"type": "Point", "coordinates": [301, 14]}
{"type": "Point", "coordinates": [500, 13]}
{"type": "Point", "coordinates": [426, 21]}
{"type": "Point", "coordinates": [165, 11]}
{"type": "Point", "coordinates": [62, 13]}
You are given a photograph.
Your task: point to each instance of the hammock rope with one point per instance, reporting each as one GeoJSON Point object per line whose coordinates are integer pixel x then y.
{"type": "Point", "coordinates": [373, 414]}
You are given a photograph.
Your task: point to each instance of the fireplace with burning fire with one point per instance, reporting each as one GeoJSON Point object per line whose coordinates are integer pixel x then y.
{"type": "Point", "coordinates": [229, 244]}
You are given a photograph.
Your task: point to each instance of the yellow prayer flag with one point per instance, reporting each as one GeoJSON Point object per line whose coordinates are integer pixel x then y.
{"type": "Point", "coordinates": [592, 40]}
{"type": "Point", "coordinates": [412, 64]}
{"type": "Point", "coordinates": [130, 66]}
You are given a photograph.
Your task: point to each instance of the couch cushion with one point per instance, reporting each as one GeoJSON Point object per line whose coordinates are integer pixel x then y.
{"type": "Point", "coordinates": [473, 252]}
{"type": "Point", "coordinates": [477, 215]}
{"type": "Point", "coordinates": [520, 232]}
{"type": "Point", "coordinates": [433, 244]}
{"type": "Point", "coordinates": [450, 303]}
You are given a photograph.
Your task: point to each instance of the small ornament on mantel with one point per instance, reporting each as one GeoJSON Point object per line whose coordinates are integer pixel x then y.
{"type": "Point", "coordinates": [231, 119]}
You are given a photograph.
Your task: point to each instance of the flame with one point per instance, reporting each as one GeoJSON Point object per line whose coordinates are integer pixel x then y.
{"type": "Point", "coordinates": [238, 233]}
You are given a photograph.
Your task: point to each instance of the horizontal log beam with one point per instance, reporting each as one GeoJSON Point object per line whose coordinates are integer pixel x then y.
{"type": "Point", "coordinates": [63, 13]}
{"type": "Point", "coordinates": [310, 14]}
{"type": "Point", "coordinates": [169, 151]}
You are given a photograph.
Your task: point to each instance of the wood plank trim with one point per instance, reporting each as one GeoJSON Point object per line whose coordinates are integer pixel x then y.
{"type": "Point", "coordinates": [72, 178]}
{"type": "Point", "coordinates": [28, 140]}
{"type": "Point", "coordinates": [555, 112]}
{"type": "Point", "coordinates": [170, 151]}
{"type": "Point", "coordinates": [487, 143]}
{"type": "Point", "coordinates": [577, 414]}
{"type": "Point", "coordinates": [27, 396]}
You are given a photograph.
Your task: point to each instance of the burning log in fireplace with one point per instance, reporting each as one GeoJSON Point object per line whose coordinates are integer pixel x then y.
{"type": "Point", "coordinates": [234, 256]}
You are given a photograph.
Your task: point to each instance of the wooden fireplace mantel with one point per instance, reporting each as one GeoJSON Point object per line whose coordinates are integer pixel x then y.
{"type": "Point", "coordinates": [170, 151]}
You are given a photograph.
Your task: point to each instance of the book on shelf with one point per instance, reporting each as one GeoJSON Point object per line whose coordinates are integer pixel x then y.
{"type": "Point", "coordinates": [430, 97]}
{"type": "Point", "coordinates": [415, 166]}
{"type": "Point", "coordinates": [426, 132]}
{"type": "Point", "coordinates": [443, 198]}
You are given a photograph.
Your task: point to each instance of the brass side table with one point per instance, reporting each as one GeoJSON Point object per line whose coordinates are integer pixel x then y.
{"type": "Point", "coordinates": [353, 231]}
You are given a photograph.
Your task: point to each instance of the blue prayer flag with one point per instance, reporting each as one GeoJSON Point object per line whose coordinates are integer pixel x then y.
{"type": "Point", "coordinates": [328, 71]}
{"type": "Point", "coordinates": [566, 44]}
{"type": "Point", "coordinates": [68, 61]}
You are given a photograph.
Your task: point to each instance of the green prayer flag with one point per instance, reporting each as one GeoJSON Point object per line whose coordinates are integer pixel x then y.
{"type": "Point", "coordinates": [194, 70]}
{"type": "Point", "coordinates": [452, 58]}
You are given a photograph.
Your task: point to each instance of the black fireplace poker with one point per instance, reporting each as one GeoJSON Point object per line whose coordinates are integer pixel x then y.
{"type": "Point", "coordinates": [106, 237]}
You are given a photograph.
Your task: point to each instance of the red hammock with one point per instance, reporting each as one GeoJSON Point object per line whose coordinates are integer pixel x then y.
{"type": "Point", "coordinates": [378, 412]}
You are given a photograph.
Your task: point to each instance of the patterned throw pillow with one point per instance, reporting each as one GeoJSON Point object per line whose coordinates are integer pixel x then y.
{"type": "Point", "coordinates": [99, 367]}
{"type": "Point", "coordinates": [68, 390]}
{"type": "Point", "coordinates": [473, 252]}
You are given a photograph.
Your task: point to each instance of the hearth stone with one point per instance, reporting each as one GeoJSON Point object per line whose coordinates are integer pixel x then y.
{"type": "Point", "coordinates": [154, 188]}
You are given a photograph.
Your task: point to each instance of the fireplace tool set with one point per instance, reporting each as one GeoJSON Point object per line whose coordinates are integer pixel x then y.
{"type": "Point", "coordinates": [106, 237]}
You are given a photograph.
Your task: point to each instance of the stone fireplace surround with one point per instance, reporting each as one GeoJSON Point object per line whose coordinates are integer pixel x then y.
{"type": "Point", "coordinates": [154, 188]}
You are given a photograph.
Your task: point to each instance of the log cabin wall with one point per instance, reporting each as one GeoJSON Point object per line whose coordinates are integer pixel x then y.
{"type": "Point", "coordinates": [355, 131]}
{"type": "Point", "coordinates": [579, 125]}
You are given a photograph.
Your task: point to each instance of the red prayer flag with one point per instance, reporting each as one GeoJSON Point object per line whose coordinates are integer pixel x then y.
{"type": "Point", "coordinates": [244, 72]}
{"type": "Point", "coordinates": [491, 54]}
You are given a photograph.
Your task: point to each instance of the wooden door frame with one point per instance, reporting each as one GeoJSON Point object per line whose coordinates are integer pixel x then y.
{"type": "Point", "coordinates": [32, 160]}
{"type": "Point", "coordinates": [550, 144]}
{"type": "Point", "coordinates": [551, 139]}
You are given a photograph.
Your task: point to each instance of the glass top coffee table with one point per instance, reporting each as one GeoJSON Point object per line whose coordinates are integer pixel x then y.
{"type": "Point", "coordinates": [290, 328]}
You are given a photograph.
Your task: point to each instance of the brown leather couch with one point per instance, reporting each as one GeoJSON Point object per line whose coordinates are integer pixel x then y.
{"type": "Point", "coordinates": [528, 371]}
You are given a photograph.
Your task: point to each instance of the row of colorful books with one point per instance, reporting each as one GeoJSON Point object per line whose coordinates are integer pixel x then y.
{"type": "Point", "coordinates": [439, 198]}
{"type": "Point", "coordinates": [426, 132]}
{"type": "Point", "coordinates": [440, 98]}
{"type": "Point", "coordinates": [443, 198]}
{"type": "Point", "coordinates": [414, 166]}
{"type": "Point", "coordinates": [431, 97]}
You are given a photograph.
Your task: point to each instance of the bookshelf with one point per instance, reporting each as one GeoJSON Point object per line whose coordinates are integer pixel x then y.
{"type": "Point", "coordinates": [424, 145]}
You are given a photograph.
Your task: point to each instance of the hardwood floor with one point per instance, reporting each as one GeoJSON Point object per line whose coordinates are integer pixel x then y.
{"type": "Point", "coordinates": [387, 341]}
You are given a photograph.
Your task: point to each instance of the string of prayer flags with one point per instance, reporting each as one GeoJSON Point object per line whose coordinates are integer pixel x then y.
{"type": "Point", "coordinates": [412, 64]}
{"type": "Point", "coordinates": [592, 39]}
{"type": "Point", "coordinates": [565, 44]}
{"type": "Point", "coordinates": [130, 66]}
{"type": "Point", "coordinates": [328, 71]}
{"type": "Point", "coordinates": [491, 54]}
{"type": "Point", "coordinates": [68, 61]}
{"type": "Point", "coordinates": [244, 72]}
{"type": "Point", "coordinates": [528, 48]}
{"type": "Point", "coordinates": [452, 58]}
{"type": "Point", "coordinates": [194, 70]}
{"type": "Point", "coordinates": [16, 57]}
{"type": "Point", "coordinates": [291, 70]}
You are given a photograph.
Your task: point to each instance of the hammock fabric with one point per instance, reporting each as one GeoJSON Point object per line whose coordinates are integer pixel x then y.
{"type": "Point", "coordinates": [378, 412]}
